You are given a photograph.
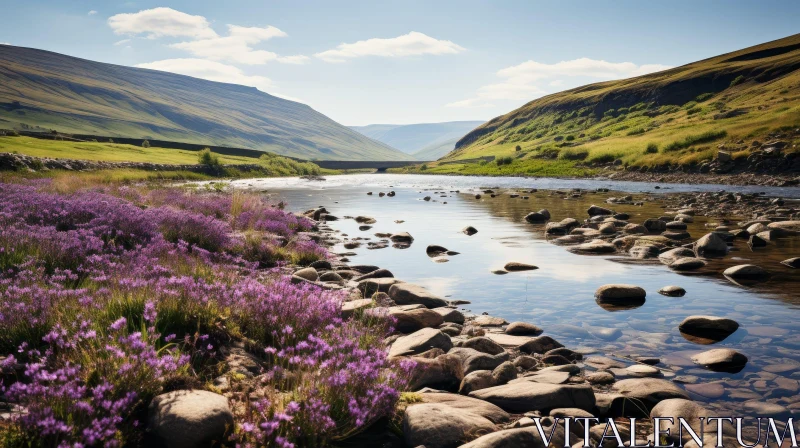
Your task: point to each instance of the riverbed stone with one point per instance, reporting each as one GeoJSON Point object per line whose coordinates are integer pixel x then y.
{"type": "Point", "coordinates": [593, 247]}
{"type": "Point", "coordinates": [442, 372]}
{"type": "Point", "coordinates": [672, 291]}
{"type": "Point", "coordinates": [721, 360]}
{"type": "Point", "coordinates": [600, 378]}
{"type": "Point", "coordinates": [402, 237]}
{"type": "Point", "coordinates": [420, 341]}
{"type": "Point", "coordinates": [710, 245]}
{"type": "Point", "coordinates": [190, 418]}
{"type": "Point", "coordinates": [746, 272]}
{"type": "Point", "coordinates": [483, 345]}
{"type": "Point", "coordinates": [540, 345]}
{"type": "Point", "coordinates": [523, 329]}
{"type": "Point", "coordinates": [489, 321]}
{"type": "Point", "coordinates": [634, 229]}
{"type": "Point", "coordinates": [309, 274]}
{"type": "Point", "coordinates": [527, 396]}
{"type": "Point", "coordinates": [371, 286]}
{"type": "Point", "coordinates": [655, 225]}
{"type": "Point", "coordinates": [409, 321]}
{"type": "Point", "coordinates": [515, 266]}
{"type": "Point", "coordinates": [447, 422]}
{"type": "Point", "coordinates": [469, 230]}
{"type": "Point", "coordinates": [536, 218]}
{"type": "Point", "coordinates": [619, 293]}
{"type": "Point", "coordinates": [352, 307]}
{"type": "Point", "coordinates": [562, 227]}
{"type": "Point", "coordinates": [671, 255]}
{"type": "Point", "coordinates": [450, 315]}
{"type": "Point", "coordinates": [642, 371]}
{"type": "Point", "coordinates": [472, 360]}
{"type": "Point", "coordinates": [792, 262]}
{"type": "Point", "coordinates": [687, 264]}
{"type": "Point", "coordinates": [708, 327]}
{"type": "Point", "coordinates": [407, 294]}
{"type": "Point", "coordinates": [649, 391]}
{"type": "Point", "coordinates": [377, 273]}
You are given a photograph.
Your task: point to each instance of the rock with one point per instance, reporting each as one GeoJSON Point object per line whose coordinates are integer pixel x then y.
{"type": "Point", "coordinates": [793, 226]}
{"type": "Point", "coordinates": [442, 372]}
{"type": "Point", "coordinates": [409, 294]}
{"type": "Point", "coordinates": [527, 396]}
{"type": "Point", "coordinates": [672, 291]}
{"type": "Point", "coordinates": [412, 320]}
{"type": "Point", "coordinates": [420, 341]}
{"type": "Point", "coordinates": [483, 345]}
{"type": "Point", "coordinates": [469, 230]}
{"type": "Point", "coordinates": [562, 227]}
{"type": "Point", "coordinates": [331, 277]}
{"type": "Point", "coordinates": [190, 418]}
{"type": "Point", "coordinates": [600, 378]}
{"type": "Point", "coordinates": [792, 262]}
{"type": "Point", "coordinates": [756, 241]}
{"type": "Point", "coordinates": [671, 255]}
{"type": "Point", "coordinates": [602, 362]}
{"type": "Point", "coordinates": [523, 329]}
{"type": "Point", "coordinates": [676, 235]}
{"type": "Point", "coordinates": [514, 266]}
{"type": "Point", "coordinates": [644, 252]}
{"type": "Point", "coordinates": [477, 380]}
{"type": "Point", "coordinates": [593, 247]}
{"type": "Point", "coordinates": [620, 293]}
{"type": "Point", "coordinates": [472, 360]}
{"type": "Point", "coordinates": [687, 264]}
{"type": "Point", "coordinates": [721, 360]}
{"type": "Point", "coordinates": [402, 237]}
{"type": "Point", "coordinates": [708, 327]}
{"type": "Point", "coordinates": [746, 272]}
{"type": "Point", "coordinates": [676, 225]}
{"type": "Point", "coordinates": [710, 245]}
{"type": "Point", "coordinates": [450, 315]}
{"type": "Point", "coordinates": [655, 225]}
{"type": "Point", "coordinates": [309, 274]}
{"type": "Point", "coordinates": [536, 218]}
{"type": "Point", "coordinates": [448, 423]}
{"type": "Point", "coordinates": [635, 229]}
{"type": "Point", "coordinates": [350, 308]}
{"type": "Point", "coordinates": [434, 250]}
{"type": "Point", "coordinates": [642, 371]}
{"type": "Point", "coordinates": [377, 273]}
{"type": "Point", "coordinates": [321, 265]}
{"type": "Point", "coordinates": [504, 373]}
{"type": "Point", "coordinates": [371, 286]}
{"type": "Point", "coordinates": [541, 345]}
{"type": "Point", "coordinates": [526, 437]}
{"type": "Point", "coordinates": [598, 211]}
{"type": "Point", "coordinates": [489, 321]}
{"type": "Point", "coordinates": [649, 391]}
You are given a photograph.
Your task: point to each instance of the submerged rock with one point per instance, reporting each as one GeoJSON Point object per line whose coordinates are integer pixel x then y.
{"type": "Point", "coordinates": [515, 266]}
{"type": "Point", "coordinates": [711, 328]}
{"type": "Point", "coordinates": [721, 360]}
{"type": "Point", "coordinates": [469, 230]}
{"type": "Point", "coordinates": [620, 293]}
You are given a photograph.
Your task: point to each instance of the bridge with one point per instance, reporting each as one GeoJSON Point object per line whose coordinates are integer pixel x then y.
{"type": "Point", "coordinates": [380, 166]}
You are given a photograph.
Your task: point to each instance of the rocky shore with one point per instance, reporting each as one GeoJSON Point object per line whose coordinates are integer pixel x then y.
{"type": "Point", "coordinates": [482, 382]}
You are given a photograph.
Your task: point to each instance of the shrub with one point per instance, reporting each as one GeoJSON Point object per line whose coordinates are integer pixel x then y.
{"type": "Point", "coordinates": [208, 158]}
{"type": "Point", "coordinates": [424, 167]}
{"type": "Point", "coordinates": [693, 110]}
{"type": "Point", "coordinates": [570, 138]}
{"type": "Point", "coordinates": [737, 80]}
{"type": "Point", "coordinates": [145, 144]}
{"type": "Point", "coordinates": [636, 131]}
{"type": "Point", "coordinates": [652, 148]}
{"type": "Point", "coordinates": [703, 97]}
{"type": "Point", "coordinates": [111, 140]}
{"type": "Point", "coordinates": [574, 154]}
{"type": "Point", "coordinates": [504, 161]}
{"type": "Point", "coordinates": [518, 148]}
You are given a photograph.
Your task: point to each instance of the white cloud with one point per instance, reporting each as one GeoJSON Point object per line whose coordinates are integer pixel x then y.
{"type": "Point", "coordinates": [237, 47]}
{"type": "Point", "coordinates": [92, 12]}
{"type": "Point", "coordinates": [121, 42]}
{"type": "Point", "coordinates": [411, 44]}
{"type": "Point", "coordinates": [160, 22]}
{"type": "Point", "coordinates": [210, 70]}
{"type": "Point", "coordinates": [524, 81]}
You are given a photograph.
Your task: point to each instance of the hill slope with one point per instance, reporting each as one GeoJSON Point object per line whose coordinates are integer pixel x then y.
{"type": "Point", "coordinates": [678, 117]}
{"type": "Point", "coordinates": [74, 95]}
{"type": "Point", "coordinates": [425, 141]}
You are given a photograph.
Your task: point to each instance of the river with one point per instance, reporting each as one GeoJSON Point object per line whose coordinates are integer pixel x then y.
{"type": "Point", "coordinates": [559, 296]}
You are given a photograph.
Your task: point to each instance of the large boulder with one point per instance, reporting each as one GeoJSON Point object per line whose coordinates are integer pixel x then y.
{"type": "Point", "coordinates": [526, 437]}
{"type": "Point", "coordinates": [309, 274]}
{"type": "Point", "coordinates": [472, 360]}
{"type": "Point", "coordinates": [689, 411]}
{"type": "Point", "coordinates": [190, 418]}
{"type": "Point", "coordinates": [746, 272]}
{"type": "Point", "coordinates": [442, 372]}
{"type": "Point", "coordinates": [420, 341]}
{"type": "Point", "coordinates": [595, 210]}
{"type": "Point", "coordinates": [523, 329]}
{"type": "Point", "coordinates": [524, 396]}
{"type": "Point", "coordinates": [371, 286]}
{"type": "Point", "coordinates": [594, 247]}
{"type": "Point", "coordinates": [721, 360]}
{"type": "Point", "coordinates": [412, 320]}
{"type": "Point", "coordinates": [447, 420]}
{"type": "Point", "coordinates": [540, 345]}
{"type": "Point", "coordinates": [450, 315]}
{"type": "Point", "coordinates": [674, 254]}
{"type": "Point", "coordinates": [409, 294]}
{"type": "Point", "coordinates": [710, 245]}
{"type": "Point", "coordinates": [483, 345]}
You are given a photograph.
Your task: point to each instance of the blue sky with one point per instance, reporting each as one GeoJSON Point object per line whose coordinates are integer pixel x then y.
{"type": "Point", "coordinates": [363, 62]}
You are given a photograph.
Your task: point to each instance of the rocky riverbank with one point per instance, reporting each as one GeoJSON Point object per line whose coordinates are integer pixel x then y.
{"type": "Point", "coordinates": [481, 381]}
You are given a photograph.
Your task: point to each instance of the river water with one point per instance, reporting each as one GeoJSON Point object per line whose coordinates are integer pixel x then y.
{"type": "Point", "coordinates": [559, 296]}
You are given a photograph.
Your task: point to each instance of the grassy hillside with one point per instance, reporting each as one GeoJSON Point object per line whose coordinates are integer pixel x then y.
{"type": "Point", "coordinates": [45, 90]}
{"type": "Point", "coordinates": [424, 141]}
{"type": "Point", "coordinates": [675, 117]}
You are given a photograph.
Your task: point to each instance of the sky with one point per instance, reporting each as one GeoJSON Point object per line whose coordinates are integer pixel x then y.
{"type": "Point", "coordinates": [399, 62]}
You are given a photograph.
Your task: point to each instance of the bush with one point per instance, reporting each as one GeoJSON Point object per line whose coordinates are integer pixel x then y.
{"type": "Point", "coordinates": [737, 80]}
{"type": "Point", "coordinates": [705, 137]}
{"type": "Point", "coordinates": [504, 161]}
{"type": "Point", "coordinates": [208, 158]}
{"type": "Point", "coordinates": [570, 138]}
{"type": "Point", "coordinates": [703, 97]}
{"type": "Point", "coordinates": [145, 144]}
{"type": "Point", "coordinates": [111, 140]}
{"type": "Point", "coordinates": [693, 110]}
{"type": "Point", "coordinates": [574, 154]}
{"type": "Point", "coordinates": [424, 167]}
{"type": "Point", "coordinates": [636, 131]}
{"type": "Point", "coordinates": [652, 148]}
{"type": "Point", "coordinates": [518, 148]}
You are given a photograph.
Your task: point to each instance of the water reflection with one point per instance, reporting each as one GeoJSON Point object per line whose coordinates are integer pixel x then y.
{"type": "Point", "coordinates": [559, 296]}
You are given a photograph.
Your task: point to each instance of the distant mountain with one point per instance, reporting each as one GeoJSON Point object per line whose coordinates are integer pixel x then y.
{"type": "Point", "coordinates": [424, 141]}
{"type": "Point", "coordinates": [44, 90]}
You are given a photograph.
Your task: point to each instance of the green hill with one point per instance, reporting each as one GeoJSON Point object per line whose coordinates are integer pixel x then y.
{"type": "Point", "coordinates": [424, 141]}
{"type": "Point", "coordinates": [679, 116]}
{"type": "Point", "coordinates": [41, 90]}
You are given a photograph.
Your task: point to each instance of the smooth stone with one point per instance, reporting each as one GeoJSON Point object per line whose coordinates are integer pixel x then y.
{"type": "Point", "coordinates": [540, 344]}
{"type": "Point", "coordinates": [595, 210]}
{"type": "Point", "coordinates": [527, 437]}
{"type": "Point", "coordinates": [402, 237]}
{"type": "Point", "coordinates": [448, 423]}
{"type": "Point", "coordinates": [548, 377]}
{"type": "Point", "coordinates": [469, 230]}
{"type": "Point", "coordinates": [437, 370]}
{"type": "Point", "coordinates": [412, 320]}
{"type": "Point", "coordinates": [371, 286]}
{"type": "Point", "coordinates": [721, 360]}
{"type": "Point", "coordinates": [642, 371]}
{"type": "Point", "coordinates": [407, 293]}
{"type": "Point", "coordinates": [746, 271]}
{"type": "Point", "coordinates": [600, 378]}
{"type": "Point", "coordinates": [420, 341]}
{"type": "Point", "coordinates": [710, 244]}
{"type": "Point", "coordinates": [523, 329]}
{"type": "Point", "coordinates": [450, 315]}
{"type": "Point", "coordinates": [309, 274]}
{"type": "Point", "coordinates": [619, 292]}
{"type": "Point", "coordinates": [673, 254]}
{"type": "Point", "coordinates": [672, 291]}
{"type": "Point", "coordinates": [690, 412]}
{"type": "Point", "coordinates": [514, 266]}
{"type": "Point", "coordinates": [593, 247]}
{"type": "Point", "coordinates": [648, 390]}
{"type": "Point", "coordinates": [472, 360]}
{"type": "Point", "coordinates": [687, 264]}
{"type": "Point", "coordinates": [792, 262]}
{"type": "Point", "coordinates": [507, 340]}
{"type": "Point", "coordinates": [190, 418]}
{"type": "Point", "coordinates": [483, 345]}
{"type": "Point", "coordinates": [532, 396]}
{"type": "Point", "coordinates": [708, 327]}
{"type": "Point", "coordinates": [489, 321]}
{"type": "Point", "coordinates": [350, 308]}
{"type": "Point", "coordinates": [708, 390]}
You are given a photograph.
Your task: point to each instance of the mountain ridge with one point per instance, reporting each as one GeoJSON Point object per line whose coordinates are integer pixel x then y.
{"type": "Point", "coordinates": [44, 90]}
{"type": "Point", "coordinates": [424, 141]}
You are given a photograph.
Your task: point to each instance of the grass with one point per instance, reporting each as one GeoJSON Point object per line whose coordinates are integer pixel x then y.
{"type": "Point", "coordinates": [681, 127]}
